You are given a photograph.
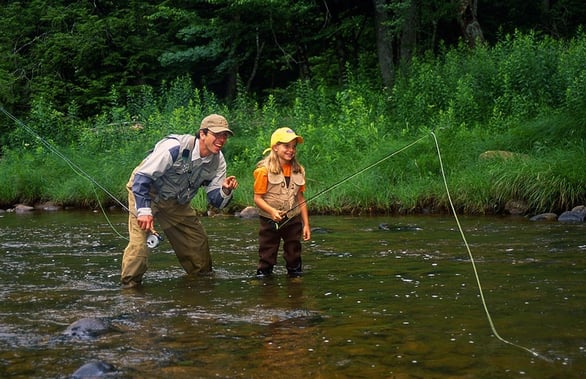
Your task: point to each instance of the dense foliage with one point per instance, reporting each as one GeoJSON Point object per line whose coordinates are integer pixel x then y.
{"type": "Point", "coordinates": [81, 54]}
{"type": "Point", "coordinates": [526, 94]}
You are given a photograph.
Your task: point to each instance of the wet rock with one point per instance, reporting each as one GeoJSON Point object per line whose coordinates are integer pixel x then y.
{"type": "Point", "coordinates": [96, 369]}
{"type": "Point", "coordinates": [248, 212]}
{"type": "Point", "coordinates": [49, 206]}
{"type": "Point", "coordinates": [22, 208]}
{"type": "Point", "coordinates": [516, 207]}
{"type": "Point", "coordinates": [87, 328]}
{"type": "Point", "coordinates": [572, 216]}
{"type": "Point", "coordinates": [213, 211]}
{"type": "Point", "coordinates": [544, 217]}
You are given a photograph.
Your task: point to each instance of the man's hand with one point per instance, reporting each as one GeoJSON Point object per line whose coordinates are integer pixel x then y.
{"type": "Point", "coordinates": [230, 184]}
{"type": "Point", "coordinates": [146, 222]}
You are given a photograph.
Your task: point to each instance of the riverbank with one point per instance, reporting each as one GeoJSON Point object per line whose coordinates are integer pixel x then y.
{"type": "Point", "coordinates": [576, 214]}
{"type": "Point", "coordinates": [480, 180]}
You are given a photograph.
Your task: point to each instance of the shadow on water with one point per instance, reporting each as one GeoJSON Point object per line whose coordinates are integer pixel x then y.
{"type": "Point", "coordinates": [382, 297]}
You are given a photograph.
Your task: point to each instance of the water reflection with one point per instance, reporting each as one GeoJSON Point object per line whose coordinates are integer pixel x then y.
{"type": "Point", "coordinates": [381, 297]}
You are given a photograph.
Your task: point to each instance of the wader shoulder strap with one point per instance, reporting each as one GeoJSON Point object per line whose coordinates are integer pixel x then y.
{"type": "Point", "coordinates": [185, 153]}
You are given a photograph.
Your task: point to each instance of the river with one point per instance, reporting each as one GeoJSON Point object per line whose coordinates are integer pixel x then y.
{"type": "Point", "coordinates": [381, 297]}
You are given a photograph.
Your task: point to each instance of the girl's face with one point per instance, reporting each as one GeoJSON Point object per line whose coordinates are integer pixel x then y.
{"type": "Point", "coordinates": [286, 151]}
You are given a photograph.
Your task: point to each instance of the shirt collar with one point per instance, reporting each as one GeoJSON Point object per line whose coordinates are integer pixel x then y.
{"type": "Point", "coordinates": [195, 155]}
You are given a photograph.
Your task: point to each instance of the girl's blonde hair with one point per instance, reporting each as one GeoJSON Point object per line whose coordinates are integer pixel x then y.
{"type": "Point", "coordinates": [272, 164]}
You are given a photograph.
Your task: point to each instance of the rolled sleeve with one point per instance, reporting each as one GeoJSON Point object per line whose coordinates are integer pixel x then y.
{"type": "Point", "coordinates": [218, 198]}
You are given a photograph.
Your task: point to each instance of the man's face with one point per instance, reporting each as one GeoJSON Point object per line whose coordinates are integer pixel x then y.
{"type": "Point", "coordinates": [212, 142]}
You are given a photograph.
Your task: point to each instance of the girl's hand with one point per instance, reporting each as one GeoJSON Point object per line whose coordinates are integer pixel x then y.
{"type": "Point", "coordinates": [277, 215]}
{"type": "Point", "coordinates": [306, 233]}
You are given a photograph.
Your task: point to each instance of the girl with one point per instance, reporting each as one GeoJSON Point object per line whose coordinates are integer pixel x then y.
{"type": "Point", "coordinates": [279, 183]}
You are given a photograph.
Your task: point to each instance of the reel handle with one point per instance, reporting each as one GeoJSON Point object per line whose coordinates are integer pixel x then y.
{"type": "Point", "coordinates": [154, 239]}
{"type": "Point", "coordinates": [280, 224]}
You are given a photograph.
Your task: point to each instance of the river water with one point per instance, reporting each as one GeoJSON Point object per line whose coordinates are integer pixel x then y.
{"type": "Point", "coordinates": [382, 297]}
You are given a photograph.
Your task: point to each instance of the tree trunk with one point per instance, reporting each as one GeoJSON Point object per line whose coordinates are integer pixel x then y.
{"type": "Point", "coordinates": [301, 53]}
{"type": "Point", "coordinates": [409, 33]}
{"type": "Point", "coordinates": [384, 43]}
{"type": "Point", "coordinates": [231, 83]}
{"type": "Point", "coordinates": [467, 18]}
{"type": "Point", "coordinates": [259, 48]}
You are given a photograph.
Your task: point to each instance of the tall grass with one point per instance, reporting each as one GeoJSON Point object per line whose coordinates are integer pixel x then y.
{"type": "Point", "coordinates": [526, 95]}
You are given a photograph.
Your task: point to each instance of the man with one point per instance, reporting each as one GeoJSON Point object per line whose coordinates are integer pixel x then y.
{"type": "Point", "coordinates": [162, 187]}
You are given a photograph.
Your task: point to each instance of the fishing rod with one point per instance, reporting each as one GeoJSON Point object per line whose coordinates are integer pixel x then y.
{"type": "Point", "coordinates": [153, 239]}
{"type": "Point", "coordinates": [278, 225]}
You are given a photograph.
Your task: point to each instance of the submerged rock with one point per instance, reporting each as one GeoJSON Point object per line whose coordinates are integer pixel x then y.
{"type": "Point", "coordinates": [96, 369]}
{"type": "Point", "coordinates": [248, 212]}
{"type": "Point", "coordinates": [544, 217]}
{"type": "Point", "coordinates": [48, 206]}
{"type": "Point", "coordinates": [88, 327]}
{"type": "Point", "coordinates": [399, 228]}
{"type": "Point", "coordinates": [319, 230]}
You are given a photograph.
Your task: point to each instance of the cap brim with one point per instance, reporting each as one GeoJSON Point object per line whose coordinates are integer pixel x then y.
{"type": "Point", "coordinates": [298, 138]}
{"type": "Point", "coordinates": [220, 129]}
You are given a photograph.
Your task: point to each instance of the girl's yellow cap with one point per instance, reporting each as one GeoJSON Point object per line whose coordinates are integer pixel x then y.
{"type": "Point", "coordinates": [283, 135]}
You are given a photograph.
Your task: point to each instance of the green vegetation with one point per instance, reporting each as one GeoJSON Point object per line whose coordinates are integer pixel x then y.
{"type": "Point", "coordinates": [526, 95]}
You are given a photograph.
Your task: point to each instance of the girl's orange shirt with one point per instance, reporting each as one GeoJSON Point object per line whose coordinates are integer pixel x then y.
{"type": "Point", "coordinates": [261, 179]}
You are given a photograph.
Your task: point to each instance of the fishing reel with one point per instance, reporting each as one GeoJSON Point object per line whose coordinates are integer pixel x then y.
{"type": "Point", "coordinates": [278, 225]}
{"type": "Point", "coordinates": [153, 240]}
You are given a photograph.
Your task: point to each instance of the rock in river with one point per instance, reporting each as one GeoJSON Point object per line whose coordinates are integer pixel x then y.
{"type": "Point", "coordinates": [96, 369]}
{"type": "Point", "coordinates": [86, 328]}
